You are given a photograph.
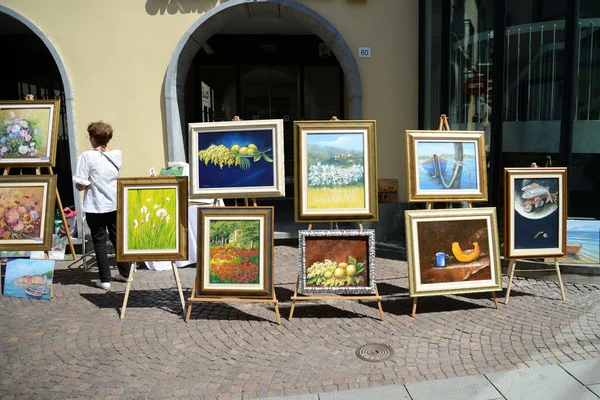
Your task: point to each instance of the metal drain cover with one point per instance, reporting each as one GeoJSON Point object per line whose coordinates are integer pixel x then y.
{"type": "Point", "coordinates": [374, 352]}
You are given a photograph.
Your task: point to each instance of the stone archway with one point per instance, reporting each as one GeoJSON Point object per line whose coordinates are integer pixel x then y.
{"type": "Point", "coordinates": [234, 10]}
{"type": "Point", "coordinates": [68, 92]}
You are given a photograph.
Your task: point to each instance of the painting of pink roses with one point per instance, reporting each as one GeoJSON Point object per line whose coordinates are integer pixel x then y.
{"type": "Point", "coordinates": [26, 212]}
{"type": "Point", "coordinates": [28, 132]}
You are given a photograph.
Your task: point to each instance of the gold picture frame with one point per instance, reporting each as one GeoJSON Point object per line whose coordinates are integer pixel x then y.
{"type": "Point", "coordinates": [446, 166]}
{"type": "Point", "coordinates": [28, 133]}
{"type": "Point", "coordinates": [437, 263]}
{"type": "Point", "coordinates": [152, 222]}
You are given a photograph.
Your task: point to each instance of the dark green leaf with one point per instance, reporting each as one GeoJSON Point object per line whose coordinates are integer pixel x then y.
{"type": "Point", "coordinates": [267, 158]}
{"type": "Point", "coordinates": [312, 280]}
{"type": "Point", "coordinates": [351, 260]}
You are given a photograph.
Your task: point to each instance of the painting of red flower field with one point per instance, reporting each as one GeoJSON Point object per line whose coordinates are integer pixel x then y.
{"type": "Point", "coordinates": [236, 254]}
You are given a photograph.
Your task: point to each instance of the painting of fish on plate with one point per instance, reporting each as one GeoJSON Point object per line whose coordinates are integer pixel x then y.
{"type": "Point", "coordinates": [535, 208]}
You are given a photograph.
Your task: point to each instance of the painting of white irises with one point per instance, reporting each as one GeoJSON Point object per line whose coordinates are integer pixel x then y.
{"type": "Point", "coordinates": [152, 219]}
{"type": "Point", "coordinates": [336, 173]}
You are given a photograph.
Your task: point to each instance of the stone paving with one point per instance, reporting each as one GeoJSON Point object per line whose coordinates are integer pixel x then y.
{"type": "Point", "coordinates": [75, 346]}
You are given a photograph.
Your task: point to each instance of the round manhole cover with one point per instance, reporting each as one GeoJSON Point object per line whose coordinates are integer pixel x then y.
{"type": "Point", "coordinates": [374, 352]}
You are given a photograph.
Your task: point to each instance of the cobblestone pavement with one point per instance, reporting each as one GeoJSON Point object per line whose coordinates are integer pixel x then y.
{"type": "Point", "coordinates": [75, 346]}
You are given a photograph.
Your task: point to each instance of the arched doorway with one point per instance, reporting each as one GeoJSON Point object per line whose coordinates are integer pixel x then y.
{"type": "Point", "coordinates": [46, 78]}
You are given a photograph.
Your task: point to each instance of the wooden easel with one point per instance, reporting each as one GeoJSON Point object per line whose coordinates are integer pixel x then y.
{"type": "Point", "coordinates": [429, 205]}
{"type": "Point", "coordinates": [232, 299]}
{"type": "Point", "coordinates": [30, 97]}
{"type": "Point", "coordinates": [130, 281]}
{"type": "Point", "coordinates": [295, 297]}
{"type": "Point", "coordinates": [512, 264]}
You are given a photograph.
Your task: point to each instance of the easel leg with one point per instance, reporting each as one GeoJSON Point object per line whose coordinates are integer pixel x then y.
{"type": "Point", "coordinates": [294, 299]}
{"type": "Point", "coordinates": [562, 288]}
{"type": "Point", "coordinates": [129, 282]}
{"type": "Point", "coordinates": [379, 303]}
{"type": "Point", "coordinates": [276, 303]}
{"type": "Point", "coordinates": [190, 302]}
{"type": "Point", "coordinates": [178, 283]}
{"type": "Point", "coordinates": [511, 273]}
{"type": "Point", "coordinates": [414, 308]}
{"type": "Point", "coordinates": [495, 299]}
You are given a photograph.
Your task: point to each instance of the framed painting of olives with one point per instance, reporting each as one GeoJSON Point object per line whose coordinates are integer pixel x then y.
{"type": "Point", "coordinates": [535, 216]}
{"type": "Point", "coordinates": [337, 261]}
{"type": "Point", "coordinates": [452, 251]}
{"type": "Point", "coordinates": [236, 159]}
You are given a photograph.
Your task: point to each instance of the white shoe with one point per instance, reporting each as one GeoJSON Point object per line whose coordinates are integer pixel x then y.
{"type": "Point", "coordinates": [102, 285]}
{"type": "Point", "coordinates": [120, 278]}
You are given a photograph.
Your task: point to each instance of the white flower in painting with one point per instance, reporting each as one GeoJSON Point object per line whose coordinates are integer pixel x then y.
{"type": "Point", "coordinates": [23, 150]}
{"type": "Point", "coordinates": [135, 223]}
{"type": "Point", "coordinates": [168, 218]}
{"type": "Point", "coordinates": [155, 206]}
{"type": "Point", "coordinates": [147, 217]}
{"type": "Point", "coordinates": [162, 213]}
{"type": "Point", "coordinates": [148, 199]}
{"type": "Point", "coordinates": [143, 210]}
{"type": "Point", "coordinates": [168, 199]}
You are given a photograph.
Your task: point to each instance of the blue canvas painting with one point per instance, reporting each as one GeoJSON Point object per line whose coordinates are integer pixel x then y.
{"type": "Point", "coordinates": [236, 159]}
{"type": "Point", "coordinates": [583, 242]}
{"type": "Point", "coordinates": [29, 279]}
{"type": "Point", "coordinates": [536, 220]}
{"type": "Point", "coordinates": [447, 165]}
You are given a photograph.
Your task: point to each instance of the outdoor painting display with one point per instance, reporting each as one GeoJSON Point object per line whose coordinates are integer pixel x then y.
{"type": "Point", "coordinates": [152, 219]}
{"type": "Point", "coordinates": [446, 166]}
{"type": "Point", "coordinates": [237, 159]}
{"type": "Point", "coordinates": [27, 212]}
{"type": "Point", "coordinates": [452, 251]}
{"type": "Point", "coordinates": [235, 253]}
{"type": "Point", "coordinates": [337, 261]}
{"type": "Point", "coordinates": [535, 212]}
{"type": "Point", "coordinates": [335, 171]}
{"type": "Point", "coordinates": [28, 133]}
{"type": "Point", "coordinates": [29, 279]}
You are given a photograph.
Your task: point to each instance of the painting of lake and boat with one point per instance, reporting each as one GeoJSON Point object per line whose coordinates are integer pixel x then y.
{"type": "Point", "coordinates": [583, 242]}
{"type": "Point", "coordinates": [446, 166]}
{"type": "Point", "coordinates": [29, 279]}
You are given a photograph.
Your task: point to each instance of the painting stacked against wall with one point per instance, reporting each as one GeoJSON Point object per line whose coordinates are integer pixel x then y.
{"type": "Point", "coordinates": [583, 242]}
{"type": "Point", "coordinates": [236, 159]}
{"type": "Point", "coordinates": [29, 279]}
{"type": "Point", "coordinates": [335, 171]}
{"type": "Point", "coordinates": [152, 219]}
{"type": "Point", "coordinates": [446, 166]}
{"type": "Point", "coordinates": [235, 254]}
{"type": "Point", "coordinates": [337, 261]}
{"type": "Point", "coordinates": [535, 207]}
{"type": "Point", "coordinates": [452, 251]}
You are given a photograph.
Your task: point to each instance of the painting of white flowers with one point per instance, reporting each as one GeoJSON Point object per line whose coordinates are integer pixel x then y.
{"type": "Point", "coordinates": [336, 173]}
{"type": "Point", "coordinates": [152, 219]}
{"type": "Point", "coordinates": [28, 133]}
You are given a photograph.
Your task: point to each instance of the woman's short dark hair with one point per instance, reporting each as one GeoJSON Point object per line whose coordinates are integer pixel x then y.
{"type": "Point", "coordinates": [101, 131]}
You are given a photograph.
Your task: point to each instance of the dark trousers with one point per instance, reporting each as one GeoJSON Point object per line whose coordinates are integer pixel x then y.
{"type": "Point", "coordinates": [99, 225]}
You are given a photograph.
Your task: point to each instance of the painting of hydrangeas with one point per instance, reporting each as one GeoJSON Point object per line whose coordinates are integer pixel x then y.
{"type": "Point", "coordinates": [153, 217]}
{"type": "Point", "coordinates": [28, 132]}
{"type": "Point", "coordinates": [336, 172]}
{"type": "Point", "coordinates": [26, 211]}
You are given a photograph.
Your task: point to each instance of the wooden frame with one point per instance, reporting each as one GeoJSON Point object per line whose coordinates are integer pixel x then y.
{"type": "Point", "coordinates": [437, 264]}
{"type": "Point", "coordinates": [237, 159]}
{"type": "Point", "coordinates": [330, 258]}
{"type": "Point", "coordinates": [235, 245]}
{"type": "Point", "coordinates": [335, 171]}
{"type": "Point", "coordinates": [28, 133]}
{"type": "Point", "coordinates": [27, 204]}
{"type": "Point", "coordinates": [535, 208]}
{"type": "Point", "coordinates": [429, 153]}
{"type": "Point", "coordinates": [152, 219]}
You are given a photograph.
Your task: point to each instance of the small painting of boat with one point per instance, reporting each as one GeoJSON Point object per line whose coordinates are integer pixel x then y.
{"type": "Point", "coordinates": [434, 165]}
{"type": "Point", "coordinates": [573, 248]}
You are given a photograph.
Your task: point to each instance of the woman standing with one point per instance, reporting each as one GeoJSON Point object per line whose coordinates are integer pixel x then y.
{"type": "Point", "coordinates": [97, 173]}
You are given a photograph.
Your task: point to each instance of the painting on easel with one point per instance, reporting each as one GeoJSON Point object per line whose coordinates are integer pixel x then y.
{"type": "Point", "coordinates": [446, 166]}
{"type": "Point", "coordinates": [152, 219]}
{"type": "Point", "coordinates": [336, 171]}
{"type": "Point", "coordinates": [29, 279]}
{"type": "Point", "coordinates": [535, 212]}
{"type": "Point", "coordinates": [235, 253]}
{"type": "Point", "coordinates": [337, 261]}
{"type": "Point", "coordinates": [26, 212]}
{"type": "Point", "coordinates": [452, 251]}
{"type": "Point", "coordinates": [28, 133]}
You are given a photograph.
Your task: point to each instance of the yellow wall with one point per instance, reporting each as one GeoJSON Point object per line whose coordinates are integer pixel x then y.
{"type": "Point", "coordinates": [116, 53]}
